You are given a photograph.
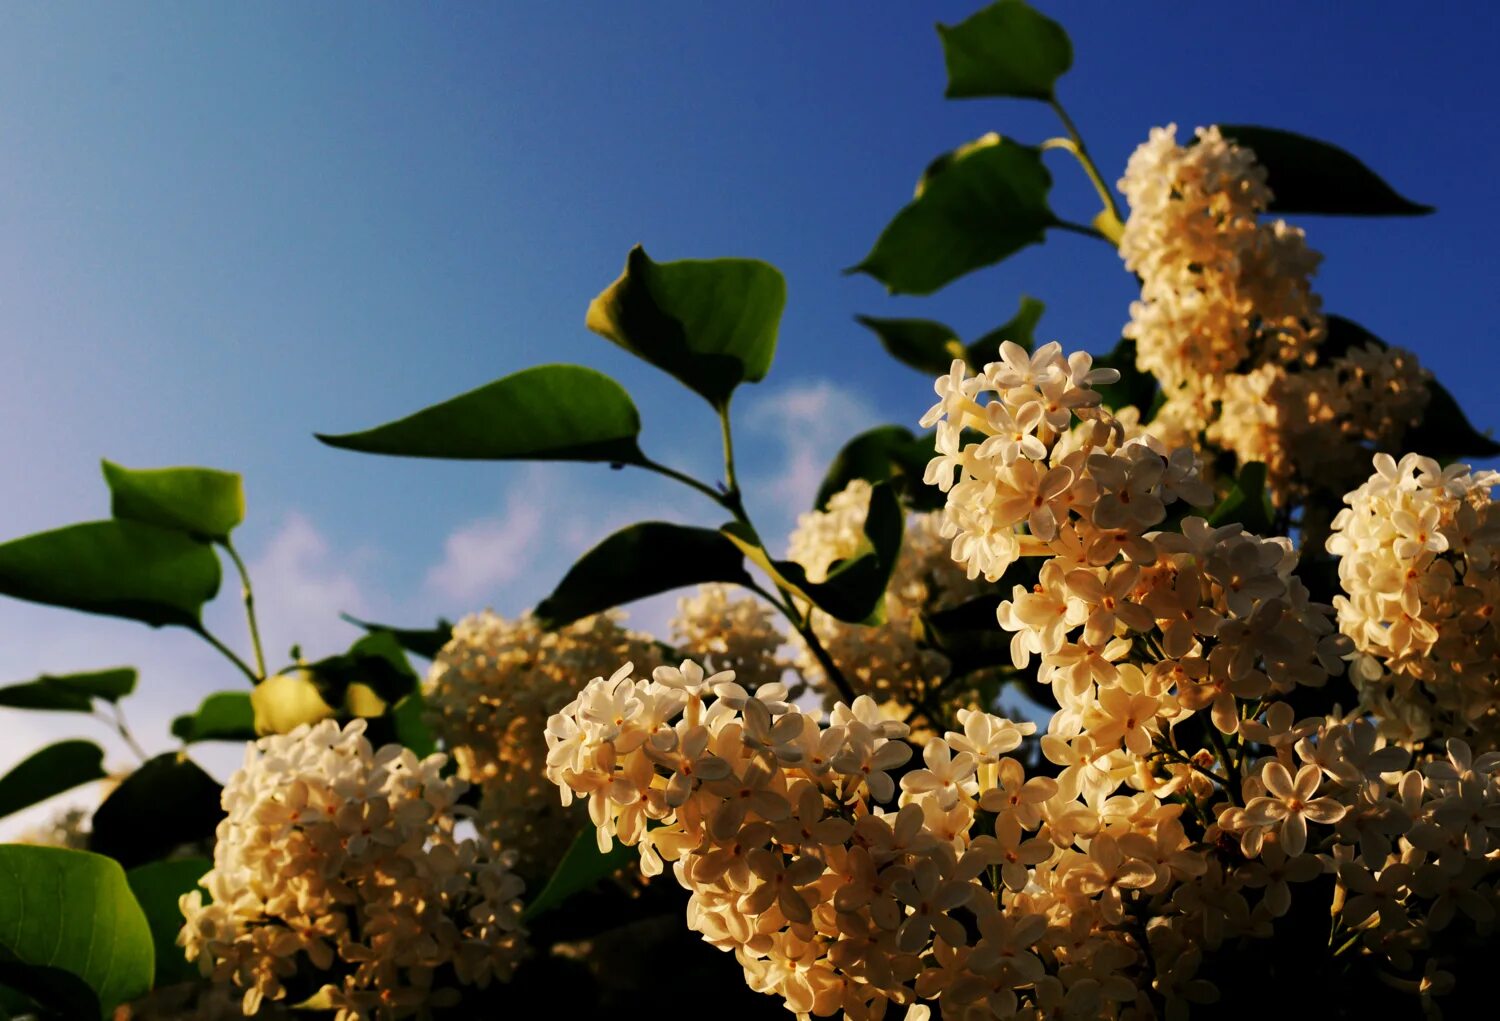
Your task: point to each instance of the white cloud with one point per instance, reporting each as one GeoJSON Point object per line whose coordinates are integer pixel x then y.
{"type": "Point", "coordinates": [301, 586]}
{"type": "Point", "coordinates": [812, 420]}
{"type": "Point", "coordinates": [487, 553]}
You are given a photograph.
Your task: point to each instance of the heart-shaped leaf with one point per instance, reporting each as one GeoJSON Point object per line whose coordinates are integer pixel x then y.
{"type": "Point", "coordinates": [222, 716]}
{"type": "Point", "coordinates": [119, 568]}
{"type": "Point", "coordinates": [71, 912]}
{"type": "Point", "coordinates": [974, 207]}
{"type": "Point", "coordinates": [167, 803]}
{"type": "Point", "coordinates": [1310, 176]}
{"type": "Point", "coordinates": [1006, 49]}
{"type": "Point", "coordinates": [640, 561]}
{"type": "Point", "coordinates": [201, 501]}
{"type": "Point", "coordinates": [546, 413]}
{"type": "Point", "coordinates": [49, 772]}
{"type": "Point", "coordinates": [711, 323]}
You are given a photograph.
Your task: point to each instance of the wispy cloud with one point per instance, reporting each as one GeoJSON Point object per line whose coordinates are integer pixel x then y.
{"type": "Point", "coordinates": [488, 553]}
{"type": "Point", "coordinates": [811, 421]}
{"type": "Point", "coordinates": [302, 585]}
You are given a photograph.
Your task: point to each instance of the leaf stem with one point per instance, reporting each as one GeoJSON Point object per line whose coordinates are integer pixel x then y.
{"type": "Point", "coordinates": [815, 646]}
{"type": "Point", "coordinates": [1084, 229]}
{"type": "Point", "coordinates": [123, 729]}
{"type": "Point", "coordinates": [1081, 152]}
{"type": "Point", "coordinates": [730, 482]}
{"type": "Point", "coordinates": [228, 653]}
{"type": "Point", "coordinates": [686, 480]}
{"type": "Point", "coordinates": [249, 597]}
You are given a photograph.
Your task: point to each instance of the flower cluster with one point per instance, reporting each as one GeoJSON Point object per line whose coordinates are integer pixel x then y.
{"type": "Point", "coordinates": [888, 662]}
{"type": "Point", "coordinates": [1230, 325]}
{"type": "Point", "coordinates": [337, 872]}
{"type": "Point", "coordinates": [1086, 490]}
{"type": "Point", "coordinates": [1419, 550]}
{"type": "Point", "coordinates": [488, 696]}
{"type": "Point", "coordinates": [726, 632]}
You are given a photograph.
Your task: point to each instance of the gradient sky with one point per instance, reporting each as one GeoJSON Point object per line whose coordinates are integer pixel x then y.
{"type": "Point", "coordinates": [223, 227]}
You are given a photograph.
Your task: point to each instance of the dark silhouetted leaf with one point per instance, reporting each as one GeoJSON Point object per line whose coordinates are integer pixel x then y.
{"type": "Point", "coordinates": [1134, 388]}
{"type": "Point", "coordinates": [201, 501]}
{"type": "Point", "coordinates": [1006, 49]}
{"type": "Point", "coordinates": [1247, 502]}
{"type": "Point", "coordinates": [641, 561]}
{"type": "Point", "coordinates": [927, 346]}
{"type": "Point", "coordinates": [223, 716]}
{"type": "Point", "coordinates": [1445, 432]}
{"type": "Point", "coordinates": [711, 323]}
{"type": "Point", "coordinates": [157, 887]}
{"type": "Point", "coordinates": [376, 661]}
{"type": "Point", "coordinates": [424, 642]}
{"type": "Point", "coordinates": [884, 453]}
{"type": "Point", "coordinates": [974, 207]}
{"type": "Point", "coordinates": [49, 772]}
{"type": "Point", "coordinates": [73, 912]}
{"type": "Point", "coordinates": [167, 803]}
{"type": "Point", "coordinates": [1310, 176]}
{"type": "Point", "coordinates": [1019, 330]}
{"type": "Point", "coordinates": [547, 413]}
{"type": "Point", "coordinates": [70, 692]}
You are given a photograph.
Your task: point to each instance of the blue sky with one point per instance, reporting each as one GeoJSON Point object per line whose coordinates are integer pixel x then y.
{"type": "Point", "coordinates": [225, 227]}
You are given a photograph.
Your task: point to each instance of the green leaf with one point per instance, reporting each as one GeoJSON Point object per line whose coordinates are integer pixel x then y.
{"type": "Point", "coordinates": [975, 206]}
{"type": "Point", "coordinates": [167, 803]}
{"type": "Point", "coordinates": [73, 911]}
{"type": "Point", "coordinates": [927, 346]}
{"type": "Point", "coordinates": [376, 661]}
{"type": "Point", "coordinates": [1021, 329]}
{"type": "Point", "coordinates": [204, 502]}
{"type": "Point", "coordinates": [1134, 388]}
{"type": "Point", "coordinates": [854, 590]}
{"type": "Point", "coordinates": [1006, 49]}
{"type": "Point", "coordinates": [884, 453]}
{"type": "Point", "coordinates": [581, 868]}
{"type": "Point", "coordinates": [1310, 176]}
{"type": "Point", "coordinates": [711, 323]}
{"type": "Point", "coordinates": [546, 413]}
{"type": "Point", "coordinates": [70, 692]}
{"type": "Point", "coordinates": [640, 561]}
{"type": "Point", "coordinates": [424, 642]}
{"type": "Point", "coordinates": [1445, 432]}
{"type": "Point", "coordinates": [1247, 502]}
{"type": "Point", "coordinates": [157, 887]}
{"type": "Point", "coordinates": [49, 772]}
{"type": "Point", "coordinates": [411, 725]}
{"type": "Point", "coordinates": [119, 568]}
{"type": "Point", "coordinates": [222, 716]}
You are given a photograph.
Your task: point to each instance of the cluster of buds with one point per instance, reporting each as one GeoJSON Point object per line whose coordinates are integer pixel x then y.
{"type": "Point", "coordinates": [1419, 549]}
{"type": "Point", "coordinates": [337, 874]}
{"type": "Point", "coordinates": [488, 696]}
